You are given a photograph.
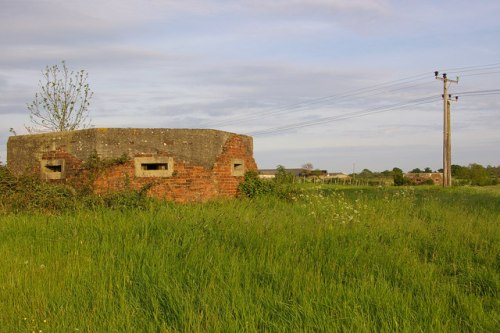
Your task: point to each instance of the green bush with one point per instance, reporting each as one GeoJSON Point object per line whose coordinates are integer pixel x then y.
{"type": "Point", "coordinates": [25, 193]}
{"type": "Point", "coordinates": [7, 181]}
{"type": "Point", "coordinates": [400, 180]}
{"type": "Point", "coordinates": [283, 176]}
{"type": "Point", "coordinates": [428, 182]}
{"type": "Point", "coordinates": [253, 186]}
{"type": "Point", "coordinates": [282, 186]}
{"type": "Point", "coordinates": [30, 194]}
{"type": "Point", "coordinates": [129, 198]}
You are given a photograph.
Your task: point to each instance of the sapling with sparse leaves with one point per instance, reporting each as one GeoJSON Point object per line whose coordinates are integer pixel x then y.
{"type": "Point", "coordinates": [62, 102]}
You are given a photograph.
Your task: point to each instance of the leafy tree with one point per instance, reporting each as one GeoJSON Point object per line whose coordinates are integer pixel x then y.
{"type": "Point", "coordinates": [365, 174]}
{"type": "Point", "coordinates": [397, 170]}
{"type": "Point", "coordinates": [386, 173]}
{"type": "Point", "coordinates": [427, 170]}
{"type": "Point", "coordinates": [475, 174]}
{"type": "Point", "coordinates": [460, 172]}
{"type": "Point", "coordinates": [416, 170]}
{"type": "Point", "coordinates": [62, 101]}
{"type": "Point", "coordinates": [479, 175]}
{"type": "Point", "coordinates": [397, 174]}
{"type": "Point", "coordinates": [493, 171]}
{"type": "Point", "coordinates": [282, 176]}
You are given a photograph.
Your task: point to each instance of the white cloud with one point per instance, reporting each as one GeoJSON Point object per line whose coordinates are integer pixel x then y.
{"type": "Point", "coordinates": [178, 63]}
{"type": "Point", "coordinates": [332, 6]}
{"type": "Point", "coordinates": [100, 55]}
{"type": "Point", "coordinates": [54, 21]}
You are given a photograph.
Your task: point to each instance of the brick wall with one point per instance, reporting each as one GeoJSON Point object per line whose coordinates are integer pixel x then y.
{"type": "Point", "coordinates": [203, 164]}
{"type": "Point", "coordinates": [189, 181]}
{"type": "Point", "coordinates": [419, 178]}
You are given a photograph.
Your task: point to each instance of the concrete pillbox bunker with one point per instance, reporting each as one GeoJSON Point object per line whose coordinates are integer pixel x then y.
{"type": "Point", "coordinates": [174, 164]}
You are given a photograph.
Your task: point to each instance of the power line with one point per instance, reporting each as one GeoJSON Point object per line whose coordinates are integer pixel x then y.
{"type": "Point", "coordinates": [323, 121]}
{"type": "Point", "coordinates": [484, 73]}
{"type": "Point", "coordinates": [477, 92]}
{"type": "Point", "coordinates": [415, 102]}
{"type": "Point", "coordinates": [329, 103]}
{"type": "Point", "coordinates": [476, 67]}
{"type": "Point", "coordinates": [316, 104]}
{"type": "Point", "coordinates": [333, 99]}
{"type": "Point", "coordinates": [318, 101]}
{"type": "Point", "coordinates": [357, 114]}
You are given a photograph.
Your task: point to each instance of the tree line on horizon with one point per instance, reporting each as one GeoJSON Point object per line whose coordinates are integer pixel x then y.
{"type": "Point", "coordinates": [473, 174]}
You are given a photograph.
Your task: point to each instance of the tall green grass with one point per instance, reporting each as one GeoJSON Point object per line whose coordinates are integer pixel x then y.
{"type": "Point", "coordinates": [327, 259]}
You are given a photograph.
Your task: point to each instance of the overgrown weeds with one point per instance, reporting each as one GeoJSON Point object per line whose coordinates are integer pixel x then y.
{"type": "Point", "coordinates": [327, 259]}
{"type": "Point", "coordinates": [27, 194]}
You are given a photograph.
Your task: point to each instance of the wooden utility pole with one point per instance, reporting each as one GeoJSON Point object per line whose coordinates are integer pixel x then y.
{"type": "Point", "coordinates": [446, 128]}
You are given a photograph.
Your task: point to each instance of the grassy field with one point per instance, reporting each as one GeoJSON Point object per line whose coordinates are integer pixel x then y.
{"type": "Point", "coordinates": [328, 259]}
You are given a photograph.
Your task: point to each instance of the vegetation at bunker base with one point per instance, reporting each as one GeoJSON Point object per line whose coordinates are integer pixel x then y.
{"type": "Point", "coordinates": [326, 259]}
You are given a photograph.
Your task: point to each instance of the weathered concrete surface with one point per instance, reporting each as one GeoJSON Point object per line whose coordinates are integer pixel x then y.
{"type": "Point", "coordinates": [199, 146]}
{"type": "Point", "coordinates": [24, 152]}
{"type": "Point", "coordinates": [192, 164]}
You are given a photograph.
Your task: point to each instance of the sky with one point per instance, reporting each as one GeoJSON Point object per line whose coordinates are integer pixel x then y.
{"type": "Point", "coordinates": [343, 84]}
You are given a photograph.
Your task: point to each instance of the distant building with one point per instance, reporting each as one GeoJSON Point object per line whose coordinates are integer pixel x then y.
{"type": "Point", "coordinates": [338, 175]}
{"type": "Point", "coordinates": [271, 173]}
{"type": "Point", "coordinates": [297, 172]}
{"type": "Point", "coordinates": [420, 178]}
{"type": "Point", "coordinates": [267, 173]}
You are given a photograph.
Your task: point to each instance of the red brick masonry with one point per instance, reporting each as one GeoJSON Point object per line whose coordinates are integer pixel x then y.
{"type": "Point", "coordinates": [189, 182]}
{"type": "Point", "coordinates": [196, 164]}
